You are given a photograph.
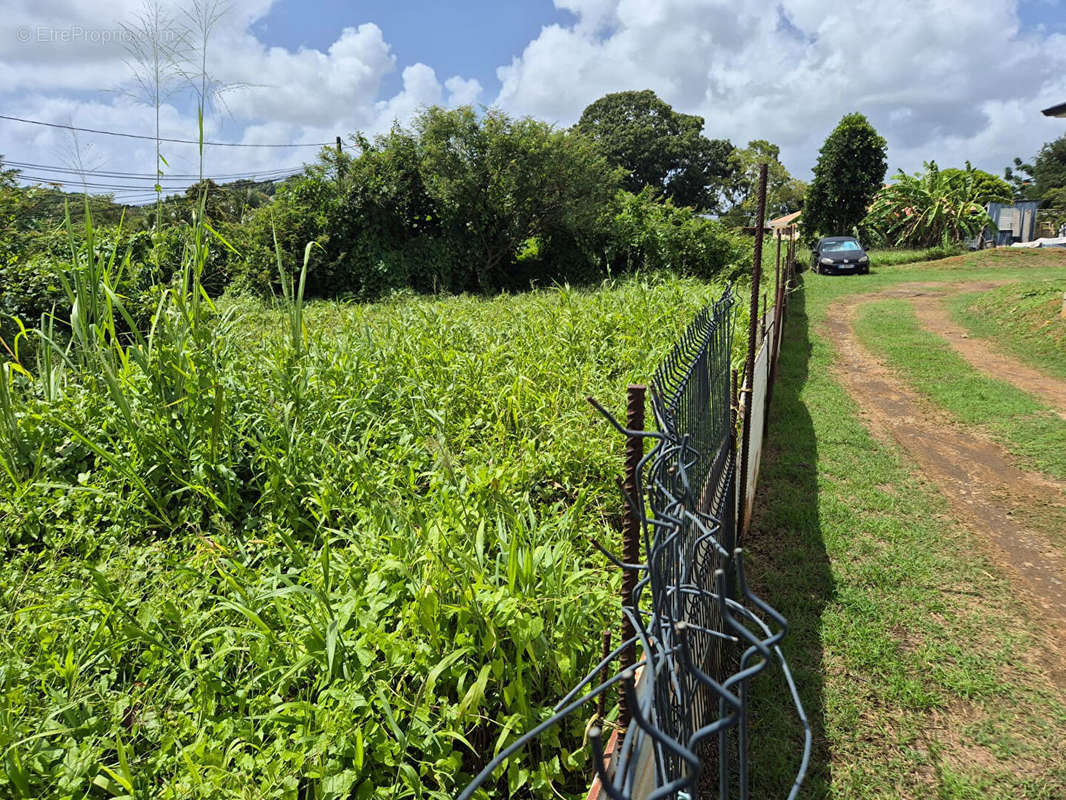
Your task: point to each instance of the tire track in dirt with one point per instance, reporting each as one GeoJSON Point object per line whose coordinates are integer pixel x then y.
{"type": "Point", "coordinates": [982, 356]}
{"type": "Point", "coordinates": [986, 491]}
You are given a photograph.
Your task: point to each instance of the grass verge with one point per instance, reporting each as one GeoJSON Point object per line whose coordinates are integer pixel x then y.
{"type": "Point", "coordinates": [914, 685]}
{"type": "Point", "coordinates": [889, 258]}
{"type": "Point", "coordinates": [1025, 426]}
{"type": "Point", "coordinates": [1024, 319]}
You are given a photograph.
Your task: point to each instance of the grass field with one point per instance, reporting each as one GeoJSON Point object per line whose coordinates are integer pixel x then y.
{"type": "Point", "coordinates": [1027, 428]}
{"type": "Point", "coordinates": [341, 551]}
{"type": "Point", "coordinates": [1024, 319]}
{"type": "Point", "coordinates": [245, 561]}
{"type": "Point", "coordinates": [920, 677]}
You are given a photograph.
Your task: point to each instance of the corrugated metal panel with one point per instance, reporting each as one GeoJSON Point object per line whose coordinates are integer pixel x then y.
{"type": "Point", "coordinates": [1014, 223]}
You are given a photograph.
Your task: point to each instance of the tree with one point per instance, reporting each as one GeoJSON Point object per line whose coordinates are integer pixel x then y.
{"type": "Point", "coordinates": [503, 181]}
{"type": "Point", "coordinates": [1019, 176]}
{"type": "Point", "coordinates": [1047, 172]}
{"type": "Point", "coordinates": [660, 148]}
{"type": "Point", "coordinates": [983, 187]}
{"type": "Point", "coordinates": [13, 215]}
{"type": "Point", "coordinates": [850, 170]}
{"type": "Point", "coordinates": [1056, 198]}
{"type": "Point", "coordinates": [8, 175]}
{"type": "Point", "coordinates": [784, 194]}
{"type": "Point", "coordinates": [456, 202]}
{"type": "Point", "coordinates": [934, 208]}
{"type": "Point", "coordinates": [1049, 168]}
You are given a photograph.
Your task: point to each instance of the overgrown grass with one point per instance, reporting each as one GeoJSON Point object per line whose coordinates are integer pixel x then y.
{"type": "Point", "coordinates": [1024, 319]}
{"type": "Point", "coordinates": [920, 674]}
{"type": "Point", "coordinates": [1024, 425]}
{"type": "Point", "coordinates": [878, 258]}
{"type": "Point", "coordinates": [325, 551]}
{"type": "Point", "coordinates": [891, 258]}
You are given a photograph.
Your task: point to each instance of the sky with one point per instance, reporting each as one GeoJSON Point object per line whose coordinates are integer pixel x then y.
{"type": "Point", "coordinates": [942, 80]}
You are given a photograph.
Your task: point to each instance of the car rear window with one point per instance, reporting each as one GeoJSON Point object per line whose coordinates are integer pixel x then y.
{"type": "Point", "coordinates": [842, 247]}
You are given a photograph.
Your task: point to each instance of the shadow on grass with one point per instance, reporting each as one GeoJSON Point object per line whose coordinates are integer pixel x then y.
{"type": "Point", "coordinates": [790, 569]}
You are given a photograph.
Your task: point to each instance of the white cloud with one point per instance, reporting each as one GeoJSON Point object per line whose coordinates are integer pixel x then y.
{"type": "Point", "coordinates": [64, 61]}
{"type": "Point", "coordinates": [420, 89]}
{"type": "Point", "coordinates": [945, 79]}
{"type": "Point", "coordinates": [308, 86]}
{"type": "Point", "coordinates": [462, 92]}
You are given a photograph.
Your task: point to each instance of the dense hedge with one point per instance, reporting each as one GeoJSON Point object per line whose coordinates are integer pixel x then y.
{"type": "Point", "coordinates": [456, 203]}
{"type": "Point", "coordinates": [462, 203]}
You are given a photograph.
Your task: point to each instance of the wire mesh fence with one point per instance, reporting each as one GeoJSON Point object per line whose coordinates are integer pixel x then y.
{"type": "Point", "coordinates": [701, 633]}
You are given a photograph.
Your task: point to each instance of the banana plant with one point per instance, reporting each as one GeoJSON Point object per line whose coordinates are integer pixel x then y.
{"type": "Point", "coordinates": [930, 208]}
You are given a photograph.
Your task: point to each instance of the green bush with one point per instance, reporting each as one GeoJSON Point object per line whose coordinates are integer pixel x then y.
{"type": "Point", "coordinates": [449, 205]}
{"type": "Point", "coordinates": [646, 234]}
{"type": "Point", "coordinates": [30, 284]}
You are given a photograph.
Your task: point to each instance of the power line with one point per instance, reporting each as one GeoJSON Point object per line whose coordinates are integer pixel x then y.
{"type": "Point", "coordinates": [144, 183]}
{"type": "Point", "coordinates": [265, 174]}
{"type": "Point", "coordinates": [71, 182]}
{"type": "Point", "coordinates": [161, 139]}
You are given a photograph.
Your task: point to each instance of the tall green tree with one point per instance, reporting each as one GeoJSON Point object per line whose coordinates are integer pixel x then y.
{"type": "Point", "coordinates": [850, 171]}
{"type": "Point", "coordinates": [1049, 168]}
{"type": "Point", "coordinates": [660, 148]}
{"type": "Point", "coordinates": [784, 194]}
{"type": "Point", "coordinates": [503, 181]}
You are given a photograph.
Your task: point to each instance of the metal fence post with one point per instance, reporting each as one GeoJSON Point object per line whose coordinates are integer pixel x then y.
{"type": "Point", "coordinates": [601, 701]}
{"type": "Point", "coordinates": [749, 363]}
{"type": "Point", "coordinates": [694, 579]}
{"type": "Point", "coordinates": [631, 530]}
{"type": "Point", "coordinates": [780, 300]}
{"type": "Point", "coordinates": [777, 269]}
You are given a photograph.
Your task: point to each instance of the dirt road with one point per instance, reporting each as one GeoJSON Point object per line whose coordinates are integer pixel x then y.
{"type": "Point", "coordinates": [986, 490]}
{"type": "Point", "coordinates": [934, 317]}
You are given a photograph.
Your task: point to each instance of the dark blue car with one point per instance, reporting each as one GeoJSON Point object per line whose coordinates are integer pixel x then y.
{"type": "Point", "coordinates": [839, 255]}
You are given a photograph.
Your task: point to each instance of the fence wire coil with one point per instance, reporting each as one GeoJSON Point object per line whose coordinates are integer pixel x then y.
{"type": "Point", "coordinates": [702, 634]}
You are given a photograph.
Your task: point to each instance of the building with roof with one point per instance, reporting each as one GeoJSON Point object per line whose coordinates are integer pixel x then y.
{"type": "Point", "coordinates": [786, 225]}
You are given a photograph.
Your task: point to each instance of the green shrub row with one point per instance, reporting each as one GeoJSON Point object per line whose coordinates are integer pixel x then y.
{"type": "Point", "coordinates": [461, 203]}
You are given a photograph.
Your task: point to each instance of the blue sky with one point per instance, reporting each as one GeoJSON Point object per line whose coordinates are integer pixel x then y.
{"type": "Point", "coordinates": [1043, 15]}
{"type": "Point", "coordinates": [469, 38]}
{"type": "Point", "coordinates": [474, 37]}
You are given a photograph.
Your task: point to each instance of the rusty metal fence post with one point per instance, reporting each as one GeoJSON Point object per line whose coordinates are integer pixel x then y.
{"type": "Point", "coordinates": [635, 395]}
